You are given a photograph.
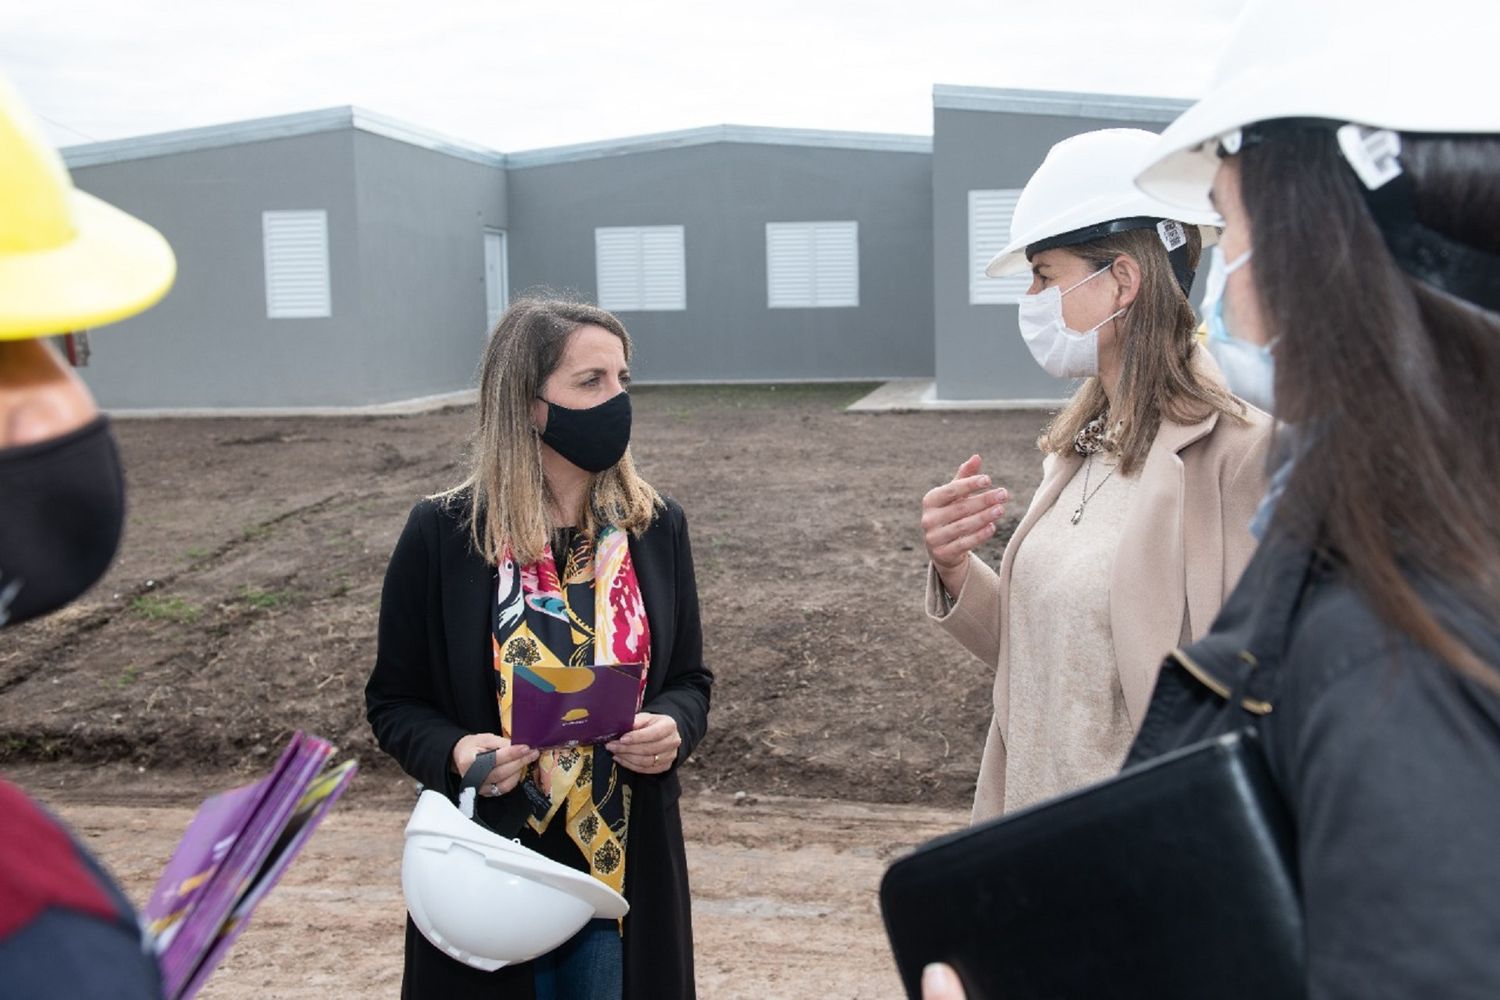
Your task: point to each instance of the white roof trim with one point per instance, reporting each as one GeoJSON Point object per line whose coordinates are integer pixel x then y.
{"type": "Point", "coordinates": [279, 127]}
{"type": "Point", "coordinates": [750, 134]}
{"type": "Point", "coordinates": [1120, 107]}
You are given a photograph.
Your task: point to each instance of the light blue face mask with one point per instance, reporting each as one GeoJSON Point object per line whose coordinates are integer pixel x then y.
{"type": "Point", "coordinates": [1250, 369]}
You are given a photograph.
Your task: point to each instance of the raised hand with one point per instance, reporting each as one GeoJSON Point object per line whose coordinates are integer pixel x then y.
{"type": "Point", "coordinates": [957, 517]}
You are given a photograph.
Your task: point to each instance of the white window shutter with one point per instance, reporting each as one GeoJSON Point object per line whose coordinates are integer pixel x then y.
{"type": "Point", "coordinates": [641, 268]}
{"type": "Point", "coordinates": [296, 259]}
{"type": "Point", "coordinates": [989, 233]}
{"type": "Point", "coordinates": [789, 266]}
{"type": "Point", "coordinates": [837, 251]}
{"type": "Point", "coordinates": [812, 264]}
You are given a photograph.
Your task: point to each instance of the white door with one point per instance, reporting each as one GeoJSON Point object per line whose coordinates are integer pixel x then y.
{"type": "Point", "coordinates": [496, 281]}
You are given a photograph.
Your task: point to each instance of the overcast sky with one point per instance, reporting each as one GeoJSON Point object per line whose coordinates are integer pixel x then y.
{"type": "Point", "coordinates": [513, 76]}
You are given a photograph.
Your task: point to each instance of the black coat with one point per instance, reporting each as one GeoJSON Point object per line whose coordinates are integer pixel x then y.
{"type": "Point", "coordinates": [433, 684]}
{"type": "Point", "coordinates": [1388, 759]}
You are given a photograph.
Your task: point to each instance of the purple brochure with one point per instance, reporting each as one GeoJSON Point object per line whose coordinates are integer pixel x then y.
{"type": "Point", "coordinates": [572, 706]}
{"type": "Point", "coordinates": [213, 831]}
{"type": "Point", "coordinates": [313, 806]}
{"type": "Point", "coordinates": [227, 879]}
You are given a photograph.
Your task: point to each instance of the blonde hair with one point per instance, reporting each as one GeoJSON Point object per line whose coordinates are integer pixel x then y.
{"type": "Point", "coordinates": [507, 495]}
{"type": "Point", "coordinates": [1157, 379]}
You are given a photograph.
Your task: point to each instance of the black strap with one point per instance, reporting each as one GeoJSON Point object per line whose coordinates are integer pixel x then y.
{"type": "Point", "coordinates": [1178, 258]}
{"type": "Point", "coordinates": [509, 813]}
{"type": "Point", "coordinates": [483, 764]}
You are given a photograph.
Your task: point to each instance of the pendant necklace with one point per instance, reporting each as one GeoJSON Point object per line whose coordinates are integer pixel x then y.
{"type": "Point", "coordinates": [1087, 496]}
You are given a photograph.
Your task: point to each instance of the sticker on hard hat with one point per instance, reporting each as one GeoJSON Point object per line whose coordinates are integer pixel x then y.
{"type": "Point", "coordinates": [1172, 233]}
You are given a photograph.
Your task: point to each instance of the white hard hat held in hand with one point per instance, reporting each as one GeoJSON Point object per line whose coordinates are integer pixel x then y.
{"type": "Point", "coordinates": [485, 900]}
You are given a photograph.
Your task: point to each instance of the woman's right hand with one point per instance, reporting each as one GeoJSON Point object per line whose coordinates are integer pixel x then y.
{"type": "Point", "coordinates": [511, 761]}
{"type": "Point", "coordinates": [957, 517]}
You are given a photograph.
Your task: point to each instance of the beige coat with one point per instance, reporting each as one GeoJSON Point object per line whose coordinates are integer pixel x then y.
{"type": "Point", "coordinates": [1186, 540]}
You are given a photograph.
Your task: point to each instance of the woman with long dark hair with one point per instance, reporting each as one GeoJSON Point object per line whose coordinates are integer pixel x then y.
{"type": "Point", "coordinates": [1354, 153]}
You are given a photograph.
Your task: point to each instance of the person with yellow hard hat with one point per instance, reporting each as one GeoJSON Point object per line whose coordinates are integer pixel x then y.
{"type": "Point", "coordinates": [67, 261]}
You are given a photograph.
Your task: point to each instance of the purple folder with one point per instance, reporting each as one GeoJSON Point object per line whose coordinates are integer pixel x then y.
{"type": "Point", "coordinates": [573, 706]}
{"type": "Point", "coordinates": [236, 847]}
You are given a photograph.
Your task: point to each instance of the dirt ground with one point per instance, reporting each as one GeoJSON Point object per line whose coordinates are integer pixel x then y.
{"type": "Point", "coordinates": [244, 601]}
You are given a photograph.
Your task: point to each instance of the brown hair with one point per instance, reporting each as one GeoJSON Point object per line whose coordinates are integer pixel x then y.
{"type": "Point", "coordinates": [1157, 379]}
{"type": "Point", "coordinates": [507, 495]}
{"type": "Point", "coordinates": [1392, 382]}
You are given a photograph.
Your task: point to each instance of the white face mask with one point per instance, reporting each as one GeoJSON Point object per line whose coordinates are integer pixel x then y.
{"type": "Point", "coordinates": [1250, 369]}
{"type": "Point", "coordinates": [1062, 352]}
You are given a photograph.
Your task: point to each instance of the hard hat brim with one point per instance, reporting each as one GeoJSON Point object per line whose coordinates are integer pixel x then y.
{"type": "Point", "coordinates": [1013, 259]}
{"type": "Point", "coordinates": [114, 267]}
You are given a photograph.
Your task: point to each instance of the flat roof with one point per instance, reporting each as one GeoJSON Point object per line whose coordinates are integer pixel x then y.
{"type": "Point", "coordinates": [747, 134]}
{"type": "Point", "coordinates": [334, 119]}
{"type": "Point", "coordinates": [1121, 107]}
{"type": "Point", "coordinates": [278, 127]}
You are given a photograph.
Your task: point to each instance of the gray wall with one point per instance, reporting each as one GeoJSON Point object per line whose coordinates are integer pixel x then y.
{"type": "Point", "coordinates": [979, 350]}
{"type": "Point", "coordinates": [209, 343]}
{"type": "Point", "coordinates": [422, 217]}
{"type": "Point", "coordinates": [723, 194]}
{"type": "Point", "coordinates": [406, 269]}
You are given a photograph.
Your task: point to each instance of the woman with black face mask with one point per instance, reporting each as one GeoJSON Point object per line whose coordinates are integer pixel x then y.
{"type": "Point", "coordinates": [552, 554]}
{"type": "Point", "coordinates": [67, 261]}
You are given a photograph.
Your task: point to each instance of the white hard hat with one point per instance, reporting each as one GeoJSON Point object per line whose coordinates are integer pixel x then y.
{"type": "Point", "coordinates": [1085, 189]}
{"type": "Point", "coordinates": [1381, 65]}
{"type": "Point", "coordinates": [488, 901]}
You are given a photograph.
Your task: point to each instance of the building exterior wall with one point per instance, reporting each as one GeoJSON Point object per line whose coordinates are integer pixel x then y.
{"type": "Point", "coordinates": [405, 250]}
{"type": "Point", "coordinates": [209, 343]}
{"type": "Point", "coordinates": [723, 194]}
{"type": "Point", "coordinates": [422, 217]}
{"type": "Point", "coordinates": [978, 350]}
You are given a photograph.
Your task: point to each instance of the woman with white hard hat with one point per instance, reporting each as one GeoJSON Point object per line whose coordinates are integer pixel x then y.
{"type": "Point", "coordinates": [1353, 150]}
{"type": "Point", "coordinates": [1151, 472]}
{"type": "Point", "coordinates": [553, 556]}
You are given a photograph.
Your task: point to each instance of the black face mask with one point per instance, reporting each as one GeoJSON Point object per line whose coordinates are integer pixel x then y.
{"type": "Point", "coordinates": [593, 439]}
{"type": "Point", "coordinates": [62, 505]}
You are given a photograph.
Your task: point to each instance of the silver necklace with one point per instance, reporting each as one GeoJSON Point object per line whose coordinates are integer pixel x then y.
{"type": "Point", "coordinates": [1087, 496]}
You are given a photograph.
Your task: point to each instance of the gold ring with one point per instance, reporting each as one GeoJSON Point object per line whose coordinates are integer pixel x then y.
{"type": "Point", "coordinates": [654, 758]}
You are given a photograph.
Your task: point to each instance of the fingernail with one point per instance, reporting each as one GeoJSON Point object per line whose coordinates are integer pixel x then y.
{"type": "Point", "coordinates": [936, 977]}
{"type": "Point", "coordinates": [984, 481]}
{"type": "Point", "coordinates": [1003, 493]}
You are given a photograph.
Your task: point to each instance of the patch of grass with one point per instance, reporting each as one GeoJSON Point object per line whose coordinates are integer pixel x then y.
{"type": "Point", "coordinates": [195, 553]}
{"type": "Point", "coordinates": [155, 607]}
{"type": "Point", "coordinates": [266, 600]}
{"type": "Point", "coordinates": [680, 400]}
{"type": "Point", "coordinates": [255, 532]}
{"type": "Point", "coordinates": [129, 675]}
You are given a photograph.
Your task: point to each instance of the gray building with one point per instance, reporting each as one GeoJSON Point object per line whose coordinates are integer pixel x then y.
{"type": "Point", "coordinates": [329, 259]}
{"type": "Point", "coordinates": [986, 145]}
{"type": "Point", "coordinates": [340, 260]}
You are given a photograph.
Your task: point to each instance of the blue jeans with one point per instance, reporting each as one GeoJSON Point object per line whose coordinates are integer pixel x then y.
{"type": "Point", "coordinates": [587, 966]}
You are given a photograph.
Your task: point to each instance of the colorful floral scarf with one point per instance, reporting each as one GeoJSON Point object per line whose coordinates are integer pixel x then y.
{"type": "Point", "coordinates": [590, 613]}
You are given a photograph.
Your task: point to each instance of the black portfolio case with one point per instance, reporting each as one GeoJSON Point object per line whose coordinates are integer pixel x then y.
{"type": "Point", "coordinates": [1174, 879]}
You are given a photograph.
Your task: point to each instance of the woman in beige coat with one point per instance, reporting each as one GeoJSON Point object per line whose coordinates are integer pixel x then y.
{"type": "Point", "coordinates": [1150, 477]}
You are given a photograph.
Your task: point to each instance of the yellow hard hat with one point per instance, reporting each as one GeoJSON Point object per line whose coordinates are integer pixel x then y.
{"type": "Point", "coordinates": [68, 261]}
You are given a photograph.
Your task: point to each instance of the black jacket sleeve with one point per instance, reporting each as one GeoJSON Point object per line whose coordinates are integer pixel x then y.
{"type": "Point", "coordinates": [684, 695]}
{"type": "Point", "coordinates": [1393, 765]}
{"type": "Point", "coordinates": [402, 701]}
